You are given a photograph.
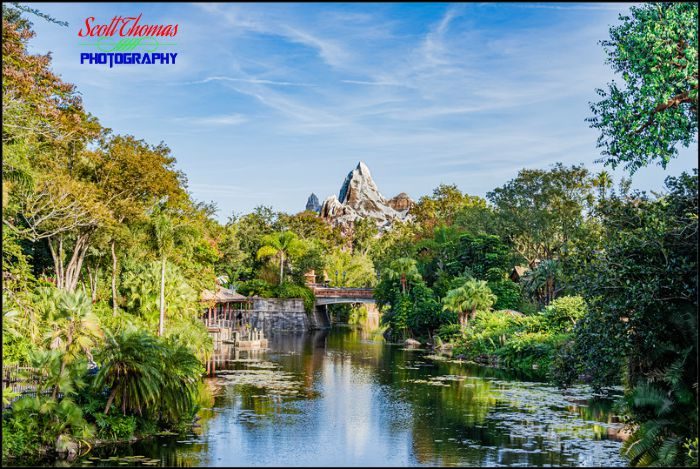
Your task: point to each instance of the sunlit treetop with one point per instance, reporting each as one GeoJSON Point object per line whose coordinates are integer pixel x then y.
{"type": "Point", "coordinates": [655, 49]}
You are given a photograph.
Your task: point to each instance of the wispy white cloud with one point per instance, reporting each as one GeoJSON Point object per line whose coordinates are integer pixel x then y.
{"type": "Point", "coordinates": [464, 93]}
{"type": "Point", "coordinates": [245, 21]}
{"type": "Point", "coordinates": [570, 6]}
{"type": "Point", "coordinates": [374, 83]}
{"type": "Point", "coordinates": [230, 119]}
{"type": "Point", "coordinates": [259, 81]}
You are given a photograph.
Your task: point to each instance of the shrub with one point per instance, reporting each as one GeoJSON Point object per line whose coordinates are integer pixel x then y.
{"type": "Point", "coordinates": [449, 332]}
{"type": "Point", "coordinates": [488, 332]}
{"type": "Point", "coordinates": [145, 373]}
{"type": "Point", "coordinates": [525, 349]}
{"type": "Point", "coordinates": [290, 290]}
{"type": "Point", "coordinates": [563, 313]}
{"type": "Point", "coordinates": [116, 427]}
{"type": "Point", "coordinates": [507, 294]}
{"type": "Point", "coordinates": [256, 287]}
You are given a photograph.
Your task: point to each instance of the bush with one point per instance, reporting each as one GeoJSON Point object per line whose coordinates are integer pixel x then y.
{"type": "Point", "coordinates": [563, 313]}
{"type": "Point", "coordinates": [449, 332]}
{"type": "Point", "coordinates": [488, 332]}
{"type": "Point", "coordinates": [507, 294]}
{"type": "Point", "coordinates": [290, 290]}
{"type": "Point", "coordinates": [256, 287]}
{"type": "Point", "coordinates": [19, 434]}
{"type": "Point", "coordinates": [115, 427]}
{"type": "Point", "coordinates": [525, 349]}
{"type": "Point", "coordinates": [528, 307]}
{"type": "Point", "coordinates": [519, 341]}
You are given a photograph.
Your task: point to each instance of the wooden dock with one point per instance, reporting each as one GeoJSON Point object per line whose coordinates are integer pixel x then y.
{"type": "Point", "coordinates": [231, 332]}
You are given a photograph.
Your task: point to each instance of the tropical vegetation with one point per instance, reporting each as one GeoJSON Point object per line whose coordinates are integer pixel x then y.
{"type": "Point", "coordinates": [559, 273]}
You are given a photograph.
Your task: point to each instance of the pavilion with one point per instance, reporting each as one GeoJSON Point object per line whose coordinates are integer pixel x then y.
{"type": "Point", "coordinates": [226, 308]}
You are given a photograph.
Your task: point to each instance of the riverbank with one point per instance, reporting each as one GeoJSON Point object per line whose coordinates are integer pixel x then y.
{"type": "Point", "coordinates": [533, 345]}
{"type": "Point", "coordinates": [290, 405]}
{"type": "Point", "coordinates": [69, 450]}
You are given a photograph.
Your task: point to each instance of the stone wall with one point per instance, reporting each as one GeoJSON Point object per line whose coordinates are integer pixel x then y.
{"type": "Point", "coordinates": [276, 314]}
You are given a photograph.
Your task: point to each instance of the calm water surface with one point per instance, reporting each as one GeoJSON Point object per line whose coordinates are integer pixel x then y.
{"type": "Point", "coordinates": [332, 398]}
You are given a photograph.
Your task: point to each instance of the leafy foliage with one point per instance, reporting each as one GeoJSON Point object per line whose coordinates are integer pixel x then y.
{"type": "Point", "coordinates": [412, 306]}
{"type": "Point", "coordinates": [655, 49]}
{"type": "Point", "coordinates": [473, 296]}
{"type": "Point", "coordinates": [350, 270]}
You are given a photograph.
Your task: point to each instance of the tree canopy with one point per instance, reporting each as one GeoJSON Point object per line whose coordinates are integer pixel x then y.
{"type": "Point", "coordinates": [655, 49]}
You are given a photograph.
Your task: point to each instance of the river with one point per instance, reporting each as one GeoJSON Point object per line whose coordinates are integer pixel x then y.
{"type": "Point", "coordinates": [338, 398]}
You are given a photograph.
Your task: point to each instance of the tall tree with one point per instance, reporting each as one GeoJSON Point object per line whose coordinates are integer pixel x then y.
{"type": "Point", "coordinates": [167, 235]}
{"type": "Point", "coordinates": [133, 175]}
{"type": "Point", "coordinates": [540, 212]}
{"type": "Point", "coordinates": [642, 321]}
{"type": "Point", "coordinates": [656, 51]}
{"type": "Point", "coordinates": [443, 206]}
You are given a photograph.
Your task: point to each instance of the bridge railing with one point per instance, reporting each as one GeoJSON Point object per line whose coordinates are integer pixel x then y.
{"type": "Point", "coordinates": [343, 292]}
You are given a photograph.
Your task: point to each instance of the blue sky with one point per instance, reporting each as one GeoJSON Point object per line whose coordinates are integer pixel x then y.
{"type": "Point", "coordinates": [270, 102]}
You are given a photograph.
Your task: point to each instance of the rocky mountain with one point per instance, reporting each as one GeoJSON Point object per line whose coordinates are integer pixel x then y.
{"type": "Point", "coordinates": [313, 204]}
{"type": "Point", "coordinates": [359, 197]}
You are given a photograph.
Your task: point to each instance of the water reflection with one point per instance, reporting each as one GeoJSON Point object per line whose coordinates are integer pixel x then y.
{"type": "Point", "coordinates": [333, 398]}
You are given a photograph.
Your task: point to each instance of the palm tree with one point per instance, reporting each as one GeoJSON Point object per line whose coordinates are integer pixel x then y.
{"type": "Point", "coordinates": [283, 245]}
{"type": "Point", "coordinates": [166, 236]}
{"type": "Point", "coordinates": [466, 300]}
{"type": "Point", "coordinates": [541, 282]}
{"type": "Point", "coordinates": [404, 269]}
{"type": "Point", "coordinates": [75, 330]}
{"type": "Point", "coordinates": [131, 368]}
{"type": "Point", "coordinates": [603, 181]}
{"type": "Point", "coordinates": [181, 371]}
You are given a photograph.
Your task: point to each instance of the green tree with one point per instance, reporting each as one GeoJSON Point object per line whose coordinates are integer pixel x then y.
{"type": "Point", "coordinates": [412, 307]}
{"type": "Point", "coordinates": [130, 369]}
{"type": "Point", "coordinates": [348, 270]}
{"type": "Point", "coordinates": [405, 271]}
{"type": "Point", "coordinates": [541, 213]}
{"type": "Point", "coordinates": [364, 232]}
{"type": "Point", "coordinates": [443, 206]}
{"type": "Point", "coordinates": [543, 282]}
{"type": "Point", "coordinates": [250, 229]}
{"type": "Point", "coordinates": [466, 300]}
{"type": "Point", "coordinates": [642, 294]}
{"type": "Point", "coordinates": [75, 330]}
{"type": "Point", "coordinates": [233, 256]}
{"type": "Point", "coordinates": [132, 175]}
{"type": "Point", "coordinates": [656, 51]}
{"type": "Point", "coordinates": [282, 245]}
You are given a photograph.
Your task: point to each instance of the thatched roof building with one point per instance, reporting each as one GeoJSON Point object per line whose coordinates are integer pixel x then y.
{"type": "Point", "coordinates": [222, 295]}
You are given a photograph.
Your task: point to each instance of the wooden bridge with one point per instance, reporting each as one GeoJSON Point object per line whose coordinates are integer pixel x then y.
{"type": "Point", "coordinates": [337, 295]}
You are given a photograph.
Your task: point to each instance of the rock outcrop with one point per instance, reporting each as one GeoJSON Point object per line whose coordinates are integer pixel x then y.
{"type": "Point", "coordinates": [401, 203]}
{"type": "Point", "coordinates": [360, 198]}
{"type": "Point", "coordinates": [313, 204]}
